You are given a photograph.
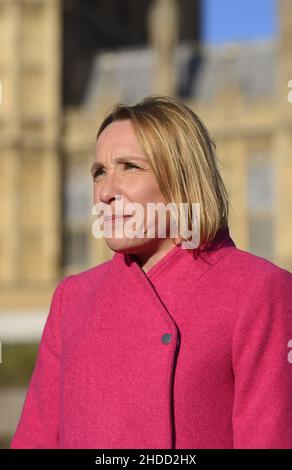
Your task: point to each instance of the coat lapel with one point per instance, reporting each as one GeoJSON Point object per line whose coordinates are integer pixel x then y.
{"type": "Point", "coordinates": [169, 279]}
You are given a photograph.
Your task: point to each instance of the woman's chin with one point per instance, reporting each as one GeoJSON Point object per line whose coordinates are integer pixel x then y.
{"type": "Point", "coordinates": [127, 245]}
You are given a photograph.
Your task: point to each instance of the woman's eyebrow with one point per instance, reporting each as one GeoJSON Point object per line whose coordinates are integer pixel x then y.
{"type": "Point", "coordinates": [123, 159]}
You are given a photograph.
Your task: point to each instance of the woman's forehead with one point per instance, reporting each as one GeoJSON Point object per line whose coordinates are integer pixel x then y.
{"type": "Point", "coordinates": [118, 129]}
{"type": "Point", "coordinates": [119, 138]}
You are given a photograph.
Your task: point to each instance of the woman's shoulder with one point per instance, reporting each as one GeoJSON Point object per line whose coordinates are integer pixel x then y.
{"type": "Point", "coordinates": [254, 270]}
{"type": "Point", "coordinates": [85, 279]}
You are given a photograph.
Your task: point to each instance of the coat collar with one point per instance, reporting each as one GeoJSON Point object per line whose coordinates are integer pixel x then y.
{"type": "Point", "coordinates": [217, 247]}
{"type": "Point", "coordinates": [172, 275]}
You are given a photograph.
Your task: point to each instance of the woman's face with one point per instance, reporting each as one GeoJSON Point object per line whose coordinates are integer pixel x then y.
{"type": "Point", "coordinates": [121, 170]}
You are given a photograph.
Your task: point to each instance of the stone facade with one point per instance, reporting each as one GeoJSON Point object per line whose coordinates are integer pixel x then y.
{"type": "Point", "coordinates": [239, 90]}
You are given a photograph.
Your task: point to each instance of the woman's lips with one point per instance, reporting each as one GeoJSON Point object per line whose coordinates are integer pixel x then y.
{"type": "Point", "coordinates": [113, 218]}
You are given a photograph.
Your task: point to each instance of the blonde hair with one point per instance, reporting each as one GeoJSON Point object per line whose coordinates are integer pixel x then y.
{"type": "Point", "coordinates": [182, 156]}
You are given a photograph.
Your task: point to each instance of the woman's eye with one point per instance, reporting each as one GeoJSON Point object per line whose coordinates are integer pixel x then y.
{"type": "Point", "coordinates": [131, 165]}
{"type": "Point", "coordinates": [97, 173]}
{"type": "Point", "coordinates": [100, 171]}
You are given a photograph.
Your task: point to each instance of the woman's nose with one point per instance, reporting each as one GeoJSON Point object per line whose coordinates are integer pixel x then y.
{"type": "Point", "coordinates": [109, 188]}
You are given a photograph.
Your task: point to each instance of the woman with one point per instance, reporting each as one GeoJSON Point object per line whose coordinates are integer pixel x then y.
{"type": "Point", "coordinates": [164, 346]}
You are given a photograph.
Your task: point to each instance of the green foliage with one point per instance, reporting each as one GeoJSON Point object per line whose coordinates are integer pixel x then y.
{"type": "Point", "coordinates": [5, 441]}
{"type": "Point", "coordinates": [18, 361]}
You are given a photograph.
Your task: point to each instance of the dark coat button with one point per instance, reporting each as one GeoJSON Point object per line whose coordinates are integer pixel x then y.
{"type": "Point", "coordinates": [166, 338]}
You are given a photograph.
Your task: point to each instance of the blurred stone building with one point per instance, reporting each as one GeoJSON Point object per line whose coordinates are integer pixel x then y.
{"type": "Point", "coordinates": [64, 63]}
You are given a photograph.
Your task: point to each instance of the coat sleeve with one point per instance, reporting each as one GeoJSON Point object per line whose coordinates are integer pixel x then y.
{"type": "Point", "coordinates": [38, 426]}
{"type": "Point", "coordinates": [262, 407]}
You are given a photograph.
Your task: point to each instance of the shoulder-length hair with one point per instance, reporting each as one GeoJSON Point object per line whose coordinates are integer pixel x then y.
{"type": "Point", "coordinates": [182, 156]}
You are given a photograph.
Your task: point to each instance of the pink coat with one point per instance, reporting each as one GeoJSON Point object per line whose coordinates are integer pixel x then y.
{"type": "Point", "coordinates": [192, 355]}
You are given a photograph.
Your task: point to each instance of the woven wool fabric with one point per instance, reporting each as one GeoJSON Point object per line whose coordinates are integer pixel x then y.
{"type": "Point", "coordinates": [192, 354]}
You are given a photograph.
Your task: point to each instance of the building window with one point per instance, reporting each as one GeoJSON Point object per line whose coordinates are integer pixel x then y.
{"type": "Point", "coordinates": [261, 205]}
{"type": "Point", "coordinates": [77, 215]}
